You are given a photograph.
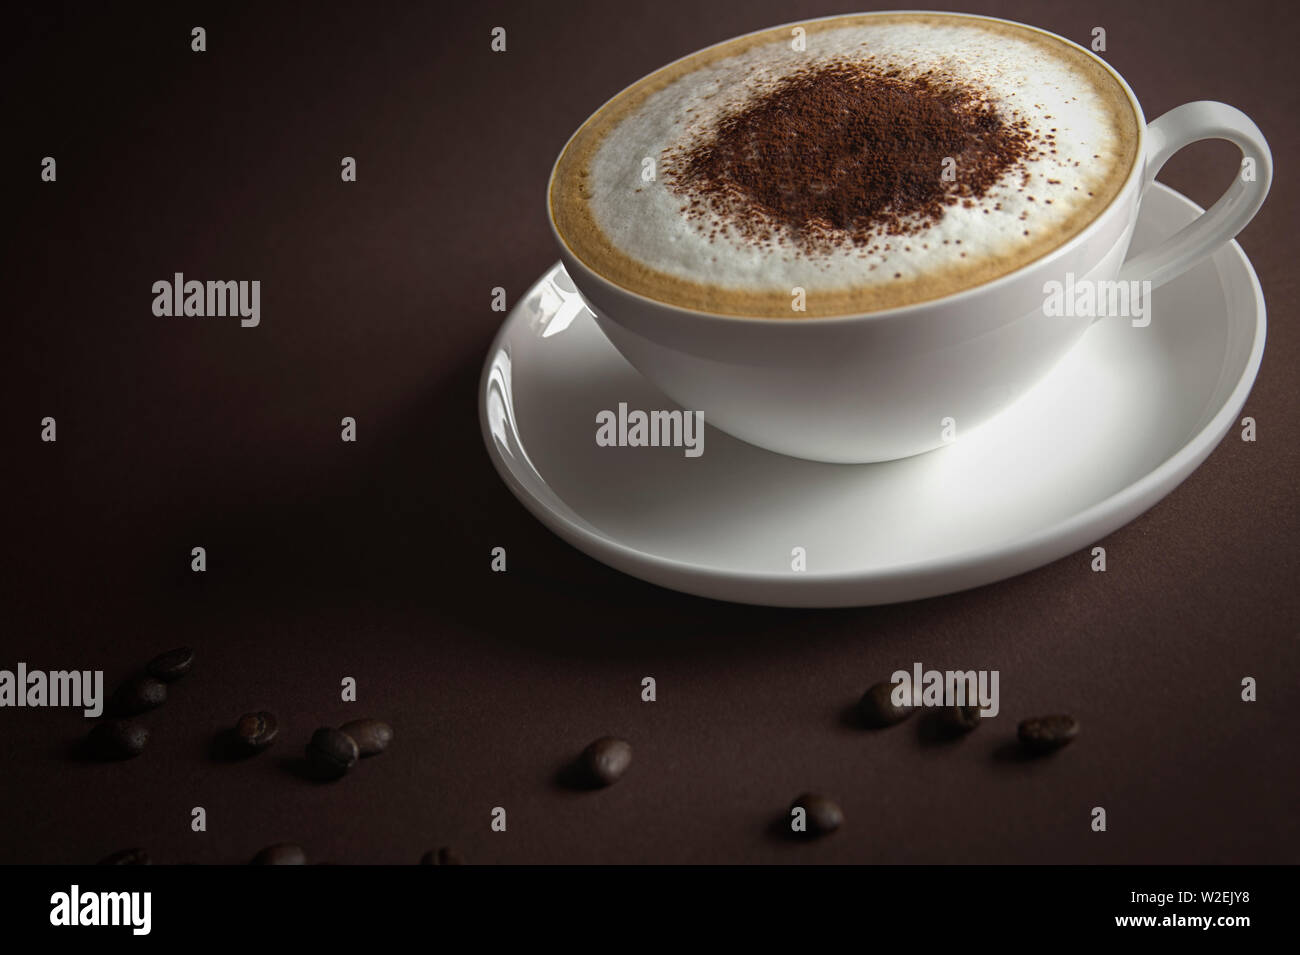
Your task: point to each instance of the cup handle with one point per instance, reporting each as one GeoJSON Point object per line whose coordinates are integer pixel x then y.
{"type": "Point", "coordinates": [1166, 135]}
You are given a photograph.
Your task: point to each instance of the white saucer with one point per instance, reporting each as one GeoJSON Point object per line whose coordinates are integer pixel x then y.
{"type": "Point", "coordinates": [1127, 415]}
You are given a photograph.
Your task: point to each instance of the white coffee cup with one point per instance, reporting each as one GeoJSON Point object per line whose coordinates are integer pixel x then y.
{"type": "Point", "coordinates": [902, 381]}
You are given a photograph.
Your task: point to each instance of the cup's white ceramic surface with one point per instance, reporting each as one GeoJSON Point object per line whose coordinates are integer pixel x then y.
{"type": "Point", "coordinates": [898, 382]}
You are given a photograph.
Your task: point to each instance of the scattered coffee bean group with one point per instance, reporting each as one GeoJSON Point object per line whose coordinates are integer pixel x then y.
{"type": "Point", "coordinates": [119, 736]}
{"type": "Point", "coordinates": [1038, 736]}
{"type": "Point", "coordinates": [332, 752]}
{"type": "Point", "coordinates": [877, 709]}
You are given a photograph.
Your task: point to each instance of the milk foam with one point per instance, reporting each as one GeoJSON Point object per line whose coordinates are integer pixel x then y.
{"type": "Point", "coordinates": [645, 221]}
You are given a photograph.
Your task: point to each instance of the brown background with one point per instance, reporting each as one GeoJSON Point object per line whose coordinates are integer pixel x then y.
{"type": "Point", "coordinates": [371, 560]}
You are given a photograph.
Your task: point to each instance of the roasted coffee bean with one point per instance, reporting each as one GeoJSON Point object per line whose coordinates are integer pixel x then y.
{"type": "Point", "coordinates": [960, 719]}
{"type": "Point", "coordinates": [876, 708]}
{"type": "Point", "coordinates": [282, 853]}
{"type": "Point", "coordinates": [332, 752]}
{"type": "Point", "coordinates": [1046, 734]}
{"type": "Point", "coordinates": [444, 856]}
{"type": "Point", "coordinates": [606, 760]}
{"type": "Point", "coordinates": [822, 815]}
{"type": "Point", "coordinates": [118, 739]}
{"type": "Point", "coordinates": [172, 665]}
{"type": "Point", "coordinates": [138, 694]}
{"type": "Point", "coordinates": [372, 736]}
{"type": "Point", "coordinates": [256, 731]}
{"type": "Point", "coordinates": [127, 857]}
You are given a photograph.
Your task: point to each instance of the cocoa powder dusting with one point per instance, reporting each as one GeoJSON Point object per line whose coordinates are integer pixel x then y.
{"type": "Point", "coordinates": [841, 154]}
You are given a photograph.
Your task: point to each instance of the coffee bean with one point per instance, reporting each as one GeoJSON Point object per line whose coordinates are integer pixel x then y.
{"type": "Point", "coordinates": [118, 739]}
{"type": "Point", "coordinates": [822, 815]}
{"type": "Point", "coordinates": [127, 857]}
{"type": "Point", "coordinates": [256, 731]}
{"type": "Point", "coordinates": [1046, 734]}
{"type": "Point", "coordinates": [172, 665]}
{"type": "Point", "coordinates": [138, 694]}
{"type": "Point", "coordinates": [282, 853]}
{"type": "Point", "coordinates": [877, 709]}
{"type": "Point", "coordinates": [960, 719]}
{"type": "Point", "coordinates": [332, 752]}
{"type": "Point", "coordinates": [372, 736]}
{"type": "Point", "coordinates": [606, 760]}
{"type": "Point", "coordinates": [444, 856]}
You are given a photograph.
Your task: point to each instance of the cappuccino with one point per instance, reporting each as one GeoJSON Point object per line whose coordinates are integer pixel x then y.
{"type": "Point", "coordinates": [871, 161]}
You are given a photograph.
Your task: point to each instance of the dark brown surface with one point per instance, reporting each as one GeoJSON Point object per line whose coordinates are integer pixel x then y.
{"type": "Point", "coordinates": [370, 560]}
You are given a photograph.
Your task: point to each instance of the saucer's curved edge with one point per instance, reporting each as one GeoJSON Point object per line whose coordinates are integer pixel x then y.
{"type": "Point", "coordinates": [916, 581]}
